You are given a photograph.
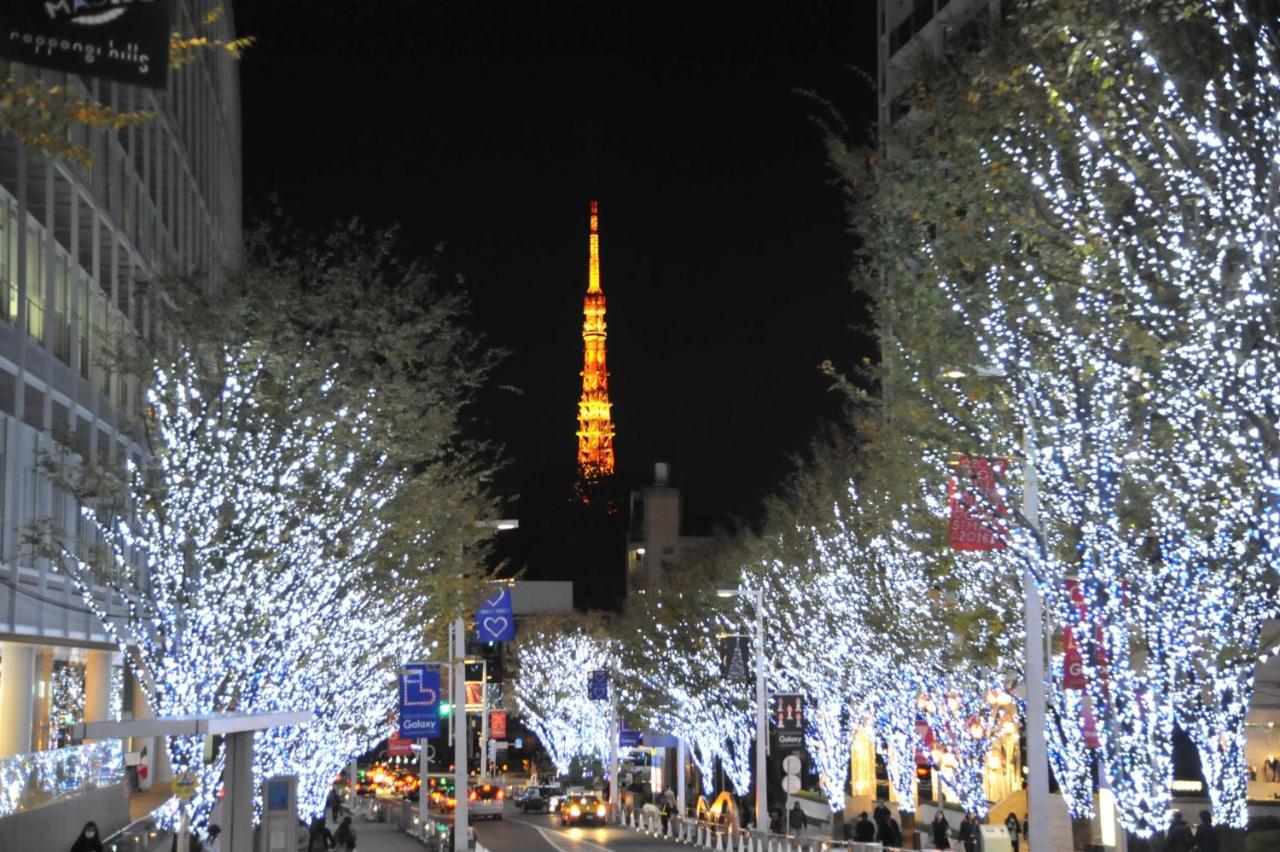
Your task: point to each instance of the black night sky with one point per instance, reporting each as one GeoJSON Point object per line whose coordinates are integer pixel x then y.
{"type": "Point", "coordinates": [488, 125]}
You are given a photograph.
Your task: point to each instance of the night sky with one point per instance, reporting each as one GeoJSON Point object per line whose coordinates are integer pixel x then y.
{"type": "Point", "coordinates": [488, 125]}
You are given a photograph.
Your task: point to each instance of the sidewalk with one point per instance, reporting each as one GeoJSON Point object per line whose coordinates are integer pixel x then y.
{"type": "Point", "coordinates": [382, 837]}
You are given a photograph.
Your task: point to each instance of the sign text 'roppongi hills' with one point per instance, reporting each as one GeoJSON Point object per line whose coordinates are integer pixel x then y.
{"type": "Point", "coordinates": [124, 40]}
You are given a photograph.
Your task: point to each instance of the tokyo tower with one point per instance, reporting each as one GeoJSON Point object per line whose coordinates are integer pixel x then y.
{"type": "Point", "coordinates": [595, 425]}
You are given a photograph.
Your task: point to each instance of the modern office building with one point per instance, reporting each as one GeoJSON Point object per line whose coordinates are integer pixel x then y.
{"type": "Point", "coordinates": [657, 543]}
{"type": "Point", "coordinates": [77, 241]}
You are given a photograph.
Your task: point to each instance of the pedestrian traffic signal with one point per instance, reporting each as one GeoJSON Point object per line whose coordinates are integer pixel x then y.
{"type": "Point", "coordinates": [445, 709]}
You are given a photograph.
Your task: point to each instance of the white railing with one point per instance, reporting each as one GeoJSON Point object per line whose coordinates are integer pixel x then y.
{"type": "Point", "coordinates": [35, 779]}
{"type": "Point", "coordinates": [726, 837]}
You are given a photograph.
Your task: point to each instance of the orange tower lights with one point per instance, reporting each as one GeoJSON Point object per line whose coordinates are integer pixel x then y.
{"type": "Point", "coordinates": [595, 425]}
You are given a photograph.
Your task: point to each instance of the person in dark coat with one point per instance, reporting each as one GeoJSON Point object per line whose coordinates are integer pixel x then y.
{"type": "Point", "coordinates": [345, 836]}
{"type": "Point", "coordinates": [865, 830]}
{"type": "Point", "coordinates": [795, 819]}
{"type": "Point", "coordinates": [894, 835]}
{"type": "Point", "coordinates": [90, 839]}
{"type": "Point", "coordinates": [1206, 839]}
{"type": "Point", "coordinates": [1178, 838]}
{"type": "Point", "coordinates": [1014, 828]}
{"type": "Point", "coordinates": [320, 839]}
{"type": "Point", "coordinates": [941, 830]}
{"type": "Point", "coordinates": [334, 804]}
{"type": "Point", "coordinates": [775, 822]}
{"type": "Point", "coordinates": [968, 834]}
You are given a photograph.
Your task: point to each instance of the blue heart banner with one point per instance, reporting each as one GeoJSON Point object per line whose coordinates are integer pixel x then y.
{"type": "Point", "coordinates": [494, 621]}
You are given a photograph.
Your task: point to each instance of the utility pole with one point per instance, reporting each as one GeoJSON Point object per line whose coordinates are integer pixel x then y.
{"type": "Point", "coordinates": [460, 736]}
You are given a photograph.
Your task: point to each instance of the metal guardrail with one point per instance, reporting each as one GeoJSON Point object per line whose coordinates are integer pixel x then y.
{"type": "Point", "coordinates": [41, 777]}
{"type": "Point", "coordinates": [141, 835]}
{"type": "Point", "coordinates": [727, 837]}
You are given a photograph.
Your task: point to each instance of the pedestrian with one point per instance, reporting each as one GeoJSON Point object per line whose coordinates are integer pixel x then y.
{"type": "Point", "coordinates": [941, 830]}
{"type": "Point", "coordinates": [665, 810]}
{"type": "Point", "coordinates": [345, 836]}
{"type": "Point", "coordinates": [1178, 838]}
{"type": "Point", "coordinates": [88, 841]}
{"type": "Point", "coordinates": [1207, 834]}
{"type": "Point", "coordinates": [334, 804]}
{"type": "Point", "coordinates": [775, 822]}
{"type": "Point", "coordinates": [1014, 828]}
{"type": "Point", "coordinates": [212, 845]}
{"type": "Point", "coordinates": [795, 819]}
{"type": "Point", "coordinates": [880, 812]}
{"type": "Point", "coordinates": [320, 839]}
{"type": "Point", "coordinates": [895, 834]}
{"type": "Point", "coordinates": [968, 834]}
{"type": "Point", "coordinates": [865, 830]}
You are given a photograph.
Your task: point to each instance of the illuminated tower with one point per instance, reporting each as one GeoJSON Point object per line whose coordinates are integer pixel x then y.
{"type": "Point", "coordinates": [595, 426]}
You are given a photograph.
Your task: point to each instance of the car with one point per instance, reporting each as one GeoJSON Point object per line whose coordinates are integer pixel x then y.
{"type": "Point", "coordinates": [485, 801]}
{"type": "Point", "coordinates": [543, 798]}
{"type": "Point", "coordinates": [580, 808]}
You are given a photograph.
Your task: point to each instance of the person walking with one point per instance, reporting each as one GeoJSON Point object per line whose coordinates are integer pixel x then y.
{"type": "Point", "coordinates": [345, 836]}
{"type": "Point", "coordinates": [667, 806]}
{"type": "Point", "coordinates": [89, 840]}
{"type": "Point", "coordinates": [334, 804]}
{"type": "Point", "coordinates": [320, 839]}
{"type": "Point", "coordinates": [1014, 828]}
{"type": "Point", "coordinates": [941, 830]}
{"type": "Point", "coordinates": [865, 830]}
{"type": "Point", "coordinates": [795, 819]}
{"type": "Point", "coordinates": [894, 835]}
{"type": "Point", "coordinates": [212, 845]}
{"type": "Point", "coordinates": [1178, 838]}
{"type": "Point", "coordinates": [1206, 839]}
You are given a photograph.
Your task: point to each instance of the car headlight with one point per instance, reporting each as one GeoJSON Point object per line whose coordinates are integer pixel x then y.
{"type": "Point", "coordinates": [600, 811]}
{"type": "Point", "coordinates": [574, 810]}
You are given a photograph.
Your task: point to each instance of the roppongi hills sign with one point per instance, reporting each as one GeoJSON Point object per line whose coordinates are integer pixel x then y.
{"type": "Point", "coordinates": [125, 40]}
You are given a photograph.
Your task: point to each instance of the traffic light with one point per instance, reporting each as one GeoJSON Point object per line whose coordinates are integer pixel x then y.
{"type": "Point", "coordinates": [446, 709]}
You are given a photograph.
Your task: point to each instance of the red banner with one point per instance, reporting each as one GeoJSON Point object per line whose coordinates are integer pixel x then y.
{"type": "Point", "coordinates": [498, 724]}
{"type": "Point", "coordinates": [1072, 660]}
{"type": "Point", "coordinates": [976, 505]}
{"type": "Point", "coordinates": [397, 747]}
{"type": "Point", "coordinates": [475, 695]}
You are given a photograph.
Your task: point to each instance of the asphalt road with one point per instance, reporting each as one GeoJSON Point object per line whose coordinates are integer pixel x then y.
{"type": "Point", "coordinates": [517, 832]}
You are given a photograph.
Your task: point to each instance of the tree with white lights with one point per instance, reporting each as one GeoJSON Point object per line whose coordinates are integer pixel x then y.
{"type": "Point", "coordinates": [553, 664]}
{"type": "Point", "coordinates": [1072, 244]}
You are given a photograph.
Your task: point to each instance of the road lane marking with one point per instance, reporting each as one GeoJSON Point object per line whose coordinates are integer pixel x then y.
{"type": "Point", "coordinates": [556, 838]}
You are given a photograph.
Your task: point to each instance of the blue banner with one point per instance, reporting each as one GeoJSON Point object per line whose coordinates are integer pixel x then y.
{"type": "Point", "coordinates": [494, 621]}
{"type": "Point", "coordinates": [598, 685]}
{"type": "Point", "coordinates": [628, 739]}
{"type": "Point", "coordinates": [419, 702]}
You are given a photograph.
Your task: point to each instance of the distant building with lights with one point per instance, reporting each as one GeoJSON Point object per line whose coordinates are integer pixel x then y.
{"type": "Point", "coordinates": [656, 541]}
{"type": "Point", "coordinates": [77, 242]}
{"type": "Point", "coordinates": [595, 419]}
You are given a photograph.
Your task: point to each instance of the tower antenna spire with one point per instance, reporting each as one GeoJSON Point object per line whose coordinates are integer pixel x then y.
{"type": "Point", "coordinates": [595, 423]}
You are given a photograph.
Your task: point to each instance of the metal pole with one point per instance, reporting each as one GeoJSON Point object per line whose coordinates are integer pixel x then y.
{"type": "Point", "coordinates": [184, 833]}
{"type": "Point", "coordinates": [460, 737]}
{"type": "Point", "coordinates": [613, 752]}
{"type": "Point", "coordinates": [762, 725]}
{"type": "Point", "coordinates": [1038, 834]}
{"type": "Point", "coordinates": [680, 777]}
{"type": "Point", "coordinates": [484, 721]}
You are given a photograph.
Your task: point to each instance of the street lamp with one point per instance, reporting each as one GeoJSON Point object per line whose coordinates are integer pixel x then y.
{"type": "Point", "coordinates": [762, 800]}
{"type": "Point", "coordinates": [1038, 834]}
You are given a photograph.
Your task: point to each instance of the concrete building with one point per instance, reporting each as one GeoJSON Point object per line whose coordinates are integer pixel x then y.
{"type": "Point", "coordinates": [76, 243]}
{"type": "Point", "coordinates": [655, 544]}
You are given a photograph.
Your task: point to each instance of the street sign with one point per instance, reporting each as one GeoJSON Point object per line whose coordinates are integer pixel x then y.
{"type": "Point", "coordinates": [598, 685]}
{"type": "Point", "coordinates": [419, 702]}
{"type": "Point", "coordinates": [628, 739]}
{"type": "Point", "coordinates": [787, 712]}
{"type": "Point", "coordinates": [498, 724]}
{"type": "Point", "coordinates": [791, 766]}
{"type": "Point", "coordinates": [735, 656]}
{"type": "Point", "coordinates": [121, 41]}
{"type": "Point", "coordinates": [494, 620]}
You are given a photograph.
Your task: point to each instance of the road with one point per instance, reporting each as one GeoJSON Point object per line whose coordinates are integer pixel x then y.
{"type": "Point", "coordinates": [517, 832]}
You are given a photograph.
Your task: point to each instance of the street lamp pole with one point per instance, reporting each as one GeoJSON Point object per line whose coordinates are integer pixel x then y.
{"type": "Point", "coordinates": [484, 721]}
{"type": "Point", "coordinates": [460, 736]}
{"type": "Point", "coordinates": [1038, 833]}
{"type": "Point", "coordinates": [762, 721]}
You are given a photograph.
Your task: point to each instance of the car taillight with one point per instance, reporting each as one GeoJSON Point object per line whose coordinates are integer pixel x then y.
{"type": "Point", "coordinates": [501, 796]}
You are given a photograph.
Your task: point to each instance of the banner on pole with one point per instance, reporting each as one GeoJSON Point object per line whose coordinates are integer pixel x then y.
{"type": "Point", "coordinates": [787, 712]}
{"type": "Point", "coordinates": [598, 685]}
{"type": "Point", "coordinates": [125, 41]}
{"type": "Point", "coordinates": [498, 724]}
{"type": "Point", "coordinates": [977, 506]}
{"type": "Point", "coordinates": [398, 746]}
{"type": "Point", "coordinates": [494, 619]}
{"type": "Point", "coordinates": [419, 702]}
{"type": "Point", "coordinates": [628, 739]}
{"type": "Point", "coordinates": [475, 694]}
{"type": "Point", "coordinates": [735, 656]}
